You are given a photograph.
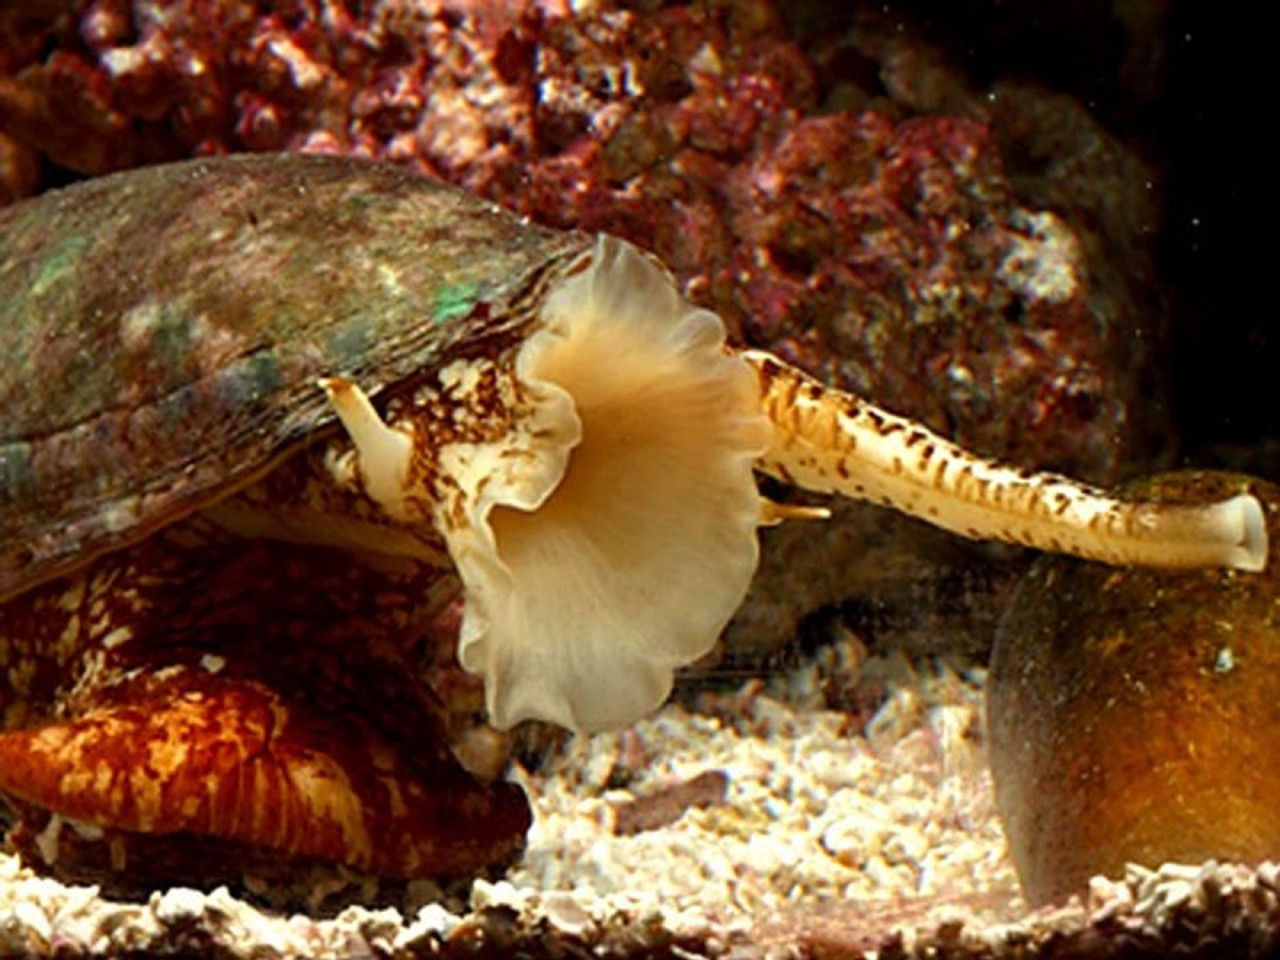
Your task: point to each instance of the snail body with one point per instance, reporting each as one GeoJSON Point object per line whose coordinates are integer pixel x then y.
{"type": "Point", "coordinates": [268, 415]}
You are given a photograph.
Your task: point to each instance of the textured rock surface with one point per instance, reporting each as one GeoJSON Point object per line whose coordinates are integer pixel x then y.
{"type": "Point", "coordinates": [1135, 715]}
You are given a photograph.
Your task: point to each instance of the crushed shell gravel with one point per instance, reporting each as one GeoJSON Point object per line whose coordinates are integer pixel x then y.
{"type": "Point", "coordinates": [827, 840]}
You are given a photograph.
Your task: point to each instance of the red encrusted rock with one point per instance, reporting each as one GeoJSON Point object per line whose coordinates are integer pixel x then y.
{"type": "Point", "coordinates": [884, 251]}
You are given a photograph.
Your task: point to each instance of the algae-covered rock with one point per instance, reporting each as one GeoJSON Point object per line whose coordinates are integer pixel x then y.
{"type": "Point", "coordinates": [1135, 714]}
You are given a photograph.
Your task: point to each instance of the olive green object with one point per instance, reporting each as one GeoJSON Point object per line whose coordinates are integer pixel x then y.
{"type": "Point", "coordinates": [1135, 713]}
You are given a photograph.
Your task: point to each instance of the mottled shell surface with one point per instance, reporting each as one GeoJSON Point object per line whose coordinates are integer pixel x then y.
{"type": "Point", "coordinates": [163, 331]}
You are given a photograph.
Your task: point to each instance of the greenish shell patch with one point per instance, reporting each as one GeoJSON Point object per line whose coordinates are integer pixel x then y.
{"type": "Point", "coordinates": [16, 478]}
{"type": "Point", "coordinates": [63, 258]}
{"type": "Point", "coordinates": [348, 344]}
{"type": "Point", "coordinates": [251, 380]}
{"type": "Point", "coordinates": [455, 302]}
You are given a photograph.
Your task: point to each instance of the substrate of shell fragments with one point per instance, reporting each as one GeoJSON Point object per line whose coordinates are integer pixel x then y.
{"type": "Point", "coordinates": [753, 823]}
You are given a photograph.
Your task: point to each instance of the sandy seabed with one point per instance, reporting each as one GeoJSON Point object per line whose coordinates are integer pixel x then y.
{"type": "Point", "coordinates": [754, 823]}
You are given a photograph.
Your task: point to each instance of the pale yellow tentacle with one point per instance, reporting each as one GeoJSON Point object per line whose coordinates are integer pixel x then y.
{"type": "Point", "coordinates": [835, 442]}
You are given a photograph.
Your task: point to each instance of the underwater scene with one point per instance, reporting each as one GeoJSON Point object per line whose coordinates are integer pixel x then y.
{"type": "Point", "coordinates": [585, 478]}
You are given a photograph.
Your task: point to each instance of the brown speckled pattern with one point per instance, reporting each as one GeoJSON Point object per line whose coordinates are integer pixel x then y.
{"type": "Point", "coordinates": [257, 693]}
{"type": "Point", "coordinates": [828, 440]}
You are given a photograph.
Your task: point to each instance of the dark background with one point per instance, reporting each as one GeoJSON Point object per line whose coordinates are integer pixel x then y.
{"type": "Point", "coordinates": [1215, 144]}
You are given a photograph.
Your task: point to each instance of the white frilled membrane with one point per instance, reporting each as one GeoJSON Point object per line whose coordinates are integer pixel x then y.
{"type": "Point", "coordinates": [614, 548]}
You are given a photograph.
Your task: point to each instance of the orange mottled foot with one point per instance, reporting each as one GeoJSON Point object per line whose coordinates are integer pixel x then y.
{"type": "Point", "coordinates": [269, 713]}
{"type": "Point", "coordinates": [187, 755]}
